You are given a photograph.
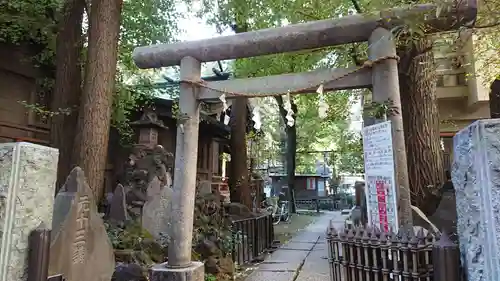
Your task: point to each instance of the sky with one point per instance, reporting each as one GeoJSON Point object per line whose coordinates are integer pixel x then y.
{"type": "Point", "coordinates": [195, 28]}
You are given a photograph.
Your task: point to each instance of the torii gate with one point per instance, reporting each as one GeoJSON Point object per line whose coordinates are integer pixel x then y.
{"type": "Point", "coordinates": [380, 73]}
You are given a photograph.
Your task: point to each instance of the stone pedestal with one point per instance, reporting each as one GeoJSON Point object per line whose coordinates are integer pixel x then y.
{"type": "Point", "coordinates": [27, 181]}
{"type": "Point", "coordinates": [476, 178]}
{"type": "Point", "coordinates": [161, 272]}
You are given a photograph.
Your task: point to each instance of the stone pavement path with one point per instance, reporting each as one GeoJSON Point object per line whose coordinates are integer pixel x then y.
{"type": "Point", "coordinates": [303, 258]}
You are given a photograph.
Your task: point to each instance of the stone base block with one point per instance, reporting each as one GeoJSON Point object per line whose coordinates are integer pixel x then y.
{"type": "Point", "coordinates": [161, 272]}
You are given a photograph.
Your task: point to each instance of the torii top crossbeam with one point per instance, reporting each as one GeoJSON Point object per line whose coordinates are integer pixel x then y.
{"type": "Point", "coordinates": [310, 35]}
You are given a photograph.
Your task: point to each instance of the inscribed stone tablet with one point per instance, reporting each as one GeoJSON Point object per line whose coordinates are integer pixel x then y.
{"type": "Point", "coordinates": [27, 181]}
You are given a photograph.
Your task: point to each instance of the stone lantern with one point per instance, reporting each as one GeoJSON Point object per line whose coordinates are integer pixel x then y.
{"type": "Point", "coordinates": [148, 126]}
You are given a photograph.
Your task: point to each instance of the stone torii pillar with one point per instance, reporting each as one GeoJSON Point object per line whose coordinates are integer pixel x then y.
{"type": "Point", "coordinates": [179, 265]}
{"type": "Point", "coordinates": [385, 82]}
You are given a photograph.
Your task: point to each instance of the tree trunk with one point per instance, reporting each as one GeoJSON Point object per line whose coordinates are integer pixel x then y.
{"type": "Point", "coordinates": [417, 80]}
{"type": "Point", "coordinates": [238, 178]}
{"type": "Point", "coordinates": [91, 143]}
{"type": "Point", "coordinates": [495, 99]}
{"type": "Point", "coordinates": [239, 174]}
{"type": "Point", "coordinates": [291, 152]}
{"type": "Point", "coordinates": [67, 90]}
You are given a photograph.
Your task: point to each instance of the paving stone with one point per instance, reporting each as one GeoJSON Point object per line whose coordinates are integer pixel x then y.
{"type": "Point", "coordinates": [298, 246]}
{"type": "Point", "coordinates": [317, 261]}
{"type": "Point", "coordinates": [305, 237]}
{"type": "Point", "coordinates": [270, 276]}
{"type": "Point", "coordinates": [307, 275]}
{"type": "Point", "coordinates": [284, 260]}
{"type": "Point", "coordinates": [287, 255]}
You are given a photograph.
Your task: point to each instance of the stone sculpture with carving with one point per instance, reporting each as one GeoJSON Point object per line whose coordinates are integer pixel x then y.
{"type": "Point", "coordinates": [143, 166]}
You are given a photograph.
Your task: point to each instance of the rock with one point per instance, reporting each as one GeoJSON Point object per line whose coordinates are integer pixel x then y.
{"type": "Point", "coordinates": [445, 217]}
{"type": "Point", "coordinates": [226, 265]}
{"type": "Point", "coordinates": [204, 187]}
{"type": "Point", "coordinates": [118, 213]}
{"type": "Point", "coordinates": [154, 188]}
{"type": "Point", "coordinates": [81, 249]}
{"type": "Point", "coordinates": [238, 211]}
{"type": "Point", "coordinates": [128, 272]}
{"type": "Point", "coordinates": [155, 213]}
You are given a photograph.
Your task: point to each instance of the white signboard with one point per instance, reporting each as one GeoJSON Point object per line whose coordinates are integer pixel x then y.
{"type": "Point", "coordinates": [380, 184]}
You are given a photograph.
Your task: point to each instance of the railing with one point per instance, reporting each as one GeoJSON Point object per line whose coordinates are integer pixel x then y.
{"type": "Point", "coordinates": [253, 237]}
{"type": "Point", "coordinates": [365, 254]}
{"type": "Point", "coordinates": [321, 203]}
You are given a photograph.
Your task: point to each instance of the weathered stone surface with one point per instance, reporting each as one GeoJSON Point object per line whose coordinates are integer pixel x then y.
{"type": "Point", "coordinates": [128, 272]}
{"type": "Point", "coordinates": [155, 213]}
{"type": "Point", "coordinates": [81, 249]}
{"type": "Point", "coordinates": [160, 272]}
{"type": "Point", "coordinates": [27, 181]}
{"type": "Point", "coordinates": [476, 178]}
{"type": "Point", "coordinates": [298, 246]}
{"type": "Point", "coordinates": [445, 217]}
{"type": "Point", "coordinates": [204, 187]}
{"type": "Point", "coordinates": [118, 208]}
{"type": "Point", "coordinates": [274, 276]}
{"type": "Point", "coordinates": [64, 201]}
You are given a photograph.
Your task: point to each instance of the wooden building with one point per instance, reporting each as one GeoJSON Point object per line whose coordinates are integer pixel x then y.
{"type": "Point", "coordinates": [18, 86]}
{"type": "Point", "coordinates": [307, 186]}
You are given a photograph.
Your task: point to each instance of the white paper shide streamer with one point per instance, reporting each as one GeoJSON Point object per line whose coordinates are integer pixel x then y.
{"type": "Point", "coordinates": [256, 118]}
{"type": "Point", "coordinates": [322, 105]}
{"type": "Point", "coordinates": [289, 112]}
{"type": "Point", "coordinates": [225, 107]}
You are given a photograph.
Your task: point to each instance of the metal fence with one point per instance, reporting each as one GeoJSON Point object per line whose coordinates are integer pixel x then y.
{"type": "Point", "coordinates": [320, 203]}
{"type": "Point", "coordinates": [253, 237]}
{"type": "Point", "coordinates": [365, 254]}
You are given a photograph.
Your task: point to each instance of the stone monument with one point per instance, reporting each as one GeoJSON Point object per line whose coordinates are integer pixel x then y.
{"type": "Point", "coordinates": [476, 178]}
{"type": "Point", "coordinates": [118, 213]}
{"type": "Point", "coordinates": [80, 249]}
{"type": "Point", "coordinates": [155, 214]}
{"type": "Point", "coordinates": [27, 183]}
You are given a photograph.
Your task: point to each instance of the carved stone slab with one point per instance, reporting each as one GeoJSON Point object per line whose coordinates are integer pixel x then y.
{"type": "Point", "coordinates": [81, 249]}
{"type": "Point", "coordinates": [118, 210]}
{"type": "Point", "coordinates": [476, 178]}
{"type": "Point", "coordinates": [27, 182]}
{"type": "Point", "coordinates": [156, 211]}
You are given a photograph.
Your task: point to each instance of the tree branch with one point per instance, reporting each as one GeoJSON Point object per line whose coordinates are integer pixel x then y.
{"type": "Point", "coordinates": [354, 49]}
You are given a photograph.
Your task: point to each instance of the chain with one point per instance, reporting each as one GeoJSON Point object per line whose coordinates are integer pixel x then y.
{"type": "Point", "coordinates": [366, 64]}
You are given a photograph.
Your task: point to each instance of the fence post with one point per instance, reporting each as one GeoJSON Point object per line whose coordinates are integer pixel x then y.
{"type": "Point", "coordinates": [255, 242]}
{"type": "Point", "coordinates": [271, 230]}
{"type": "Point", "coordinates": [446, 259]}
{"type": "Point", "coordinates": [38, 259]}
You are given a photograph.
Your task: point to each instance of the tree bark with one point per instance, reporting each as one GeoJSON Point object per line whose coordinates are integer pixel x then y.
{"type": "Point", "coordinates": [291, 151]}
{"type": "Point", "coordinates": [495, 99]}
{"type": "Point", "coordinates": [239, 178]}
{"type": "Point", "coordinates": [417, 78]}
{"type": "Point", "coordinates": [67, 90]}
{"type": "Point", "coordinates": [91, 143]}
